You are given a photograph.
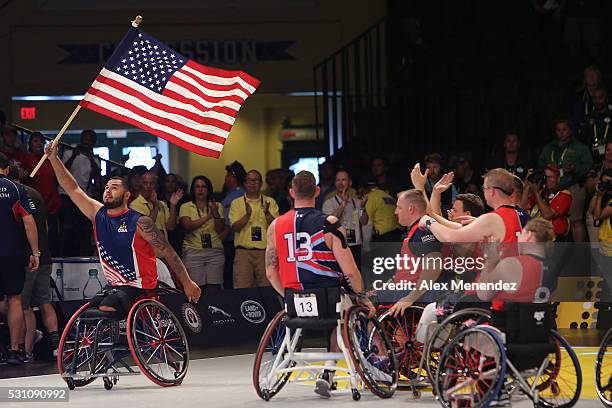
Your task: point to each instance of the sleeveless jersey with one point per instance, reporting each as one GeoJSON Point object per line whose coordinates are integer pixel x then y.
{"type": "Point", "coordinates": [126, 257]}
{"type": "Point", "coordinates": [417, 244]}
{"type": "Point", "coordinates": [531, 281]}
{"type": "Point", "coordinates": [514, 219]}
{"type": "Point", "coordinates": [305, 261]}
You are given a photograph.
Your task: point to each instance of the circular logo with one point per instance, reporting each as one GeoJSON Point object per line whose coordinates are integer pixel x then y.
{"type": "Point", "coordinates": [253, 311]}
{"type": "Point", "coordinates": [192, 317]}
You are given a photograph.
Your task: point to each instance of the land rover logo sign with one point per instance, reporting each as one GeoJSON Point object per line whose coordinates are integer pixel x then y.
{"type": "Point", "coordinates": [192, 317]}
{"type": "Point", "coordinates": [253, 311]}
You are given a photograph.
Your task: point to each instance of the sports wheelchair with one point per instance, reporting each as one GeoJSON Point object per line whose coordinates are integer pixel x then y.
{"type": "Point", "coordinates": [603, 370]}
{"type": "Point", "coordinates": [99, 344]}
{"type": "Point", "coordinates": [518, 351]}
{"type": "Point", "coordinates": [418, 360]}
{"type": "Point", "coordinates": [365, 349]}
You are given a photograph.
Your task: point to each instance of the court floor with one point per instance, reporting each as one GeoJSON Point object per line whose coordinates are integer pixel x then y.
{"type": "Point", "coordinates": [226, 382]}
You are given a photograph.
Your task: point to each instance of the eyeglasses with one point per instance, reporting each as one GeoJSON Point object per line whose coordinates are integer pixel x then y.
{"type": "Point", "coordinates": [497, 188]}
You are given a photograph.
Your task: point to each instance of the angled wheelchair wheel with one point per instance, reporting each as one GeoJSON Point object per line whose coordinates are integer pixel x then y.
{"type": "Point", "coordinates": [80, 371]}
{"type": "Point", "coordinates": [158, 343]}
{"type": "Point", "coordinates": [401, 331]}
{"type": "Point", "coordinates": [446, 331]}
{"type": "Point", "coordinates": [371, 352]}
{"type": "Point", "coordinates": [603, 370]}
{"type": "Point", "coordinates": [560, 384]}
{"type": "Point", "coordinates": [471, 369]}
{"type": "Point", "coordinates": [270, 354]}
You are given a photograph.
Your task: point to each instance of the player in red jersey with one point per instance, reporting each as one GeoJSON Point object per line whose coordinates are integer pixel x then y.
{"type": "Point", "coordinates": [526, 271]}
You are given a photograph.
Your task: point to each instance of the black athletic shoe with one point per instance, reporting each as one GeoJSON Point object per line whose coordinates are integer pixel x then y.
{"type": "Point", "coordinates": [14, 357]}
{"type": "Point", "coordinates": [323, 385]}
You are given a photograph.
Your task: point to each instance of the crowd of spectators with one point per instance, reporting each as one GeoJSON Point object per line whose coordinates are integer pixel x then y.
{"type": "Point", "coordinates": [220, 231]}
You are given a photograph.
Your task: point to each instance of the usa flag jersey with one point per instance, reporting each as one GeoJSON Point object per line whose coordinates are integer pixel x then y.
{"type": "Point", "coordinates": [305, 261]}
{"type": "Point", "coordinates": [126, 257]}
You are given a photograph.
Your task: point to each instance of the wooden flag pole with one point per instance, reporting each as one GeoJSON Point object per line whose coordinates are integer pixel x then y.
{"type": "Point", "coordinates": [56, 140]}
{"type": "Point", "coordinates": [135, 23]}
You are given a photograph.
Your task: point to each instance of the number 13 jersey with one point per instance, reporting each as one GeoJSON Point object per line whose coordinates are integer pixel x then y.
{"type": "Point", "coordinates": [305, 261]}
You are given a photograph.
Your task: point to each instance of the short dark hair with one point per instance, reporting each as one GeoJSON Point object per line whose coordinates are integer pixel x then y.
{"type": "Point", "coordinates": [91, 133]}
{"type": "Point", "coordinates": [472, 203]}
{"type": "Point", "coordinates": [13, 173]}
{"type": "Point", "coordinates": [562, 119]}
{"type": "Point", "coordinates": [304, 185]}
{"type": "Point", "coordinates": [4, 161]}
{"type": "Point", "coordinates": [123, 180]}
{"type": "Point", "coordinates": [518, 184]}
{"type": "Point", "coordinates": [433, 158]}
{"type": "Point", "coordinates": [348, 173]}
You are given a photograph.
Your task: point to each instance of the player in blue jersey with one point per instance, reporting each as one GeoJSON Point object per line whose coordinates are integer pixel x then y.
{"type": "Point", "coordinates": [126, 242]}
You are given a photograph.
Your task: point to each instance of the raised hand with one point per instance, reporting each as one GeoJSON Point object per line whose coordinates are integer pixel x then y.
{"type": "Point", "coordinates": [418, 179]}
{"type": "Point", "coordinates": [176, 196]}
{"type": "Point", "coordinates": [444, 183]}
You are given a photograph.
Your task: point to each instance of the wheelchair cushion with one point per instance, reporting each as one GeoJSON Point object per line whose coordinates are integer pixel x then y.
{"type": "Point", "coordinates": [310, 323]}
{"type": "Point", "coordinates": [525, 356]}
{"type": "Point", "coordinates": [95, 313]}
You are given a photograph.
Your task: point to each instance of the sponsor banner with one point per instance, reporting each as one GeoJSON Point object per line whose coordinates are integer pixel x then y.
{"type": "Point", "coordinates": [229, 317]}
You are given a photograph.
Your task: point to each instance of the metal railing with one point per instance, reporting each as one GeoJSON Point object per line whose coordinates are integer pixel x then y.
{"type": "Point", "coordinates": [110, 164]}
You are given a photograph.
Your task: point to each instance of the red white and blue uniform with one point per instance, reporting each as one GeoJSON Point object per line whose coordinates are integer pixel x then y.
{"type": "Point", "coordinates": [126, 257]}
{"type": "Point", "coordinates": [305, 261]}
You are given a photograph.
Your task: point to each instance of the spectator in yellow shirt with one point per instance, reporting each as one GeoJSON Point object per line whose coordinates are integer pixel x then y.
{"type": "Point", "coordinates": [250, 216]}
{"type": "Point", "coordinates": [147, 204]}
{"type": "Point", "coordinates": [380, 211]}
{"type": "Point", "coordinates": [202, 219]}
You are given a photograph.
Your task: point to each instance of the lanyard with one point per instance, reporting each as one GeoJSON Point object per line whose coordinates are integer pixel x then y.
{"type": "Point", "coordinates": [198, 209]}
{"type": "Point", "coordinates": [552, 156]}
{"type": "Point", "coordinates": [262, 206]}
{"type": "Point", "coordinates": [595, 138]}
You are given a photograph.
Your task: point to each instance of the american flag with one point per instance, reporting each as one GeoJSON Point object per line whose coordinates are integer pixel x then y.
{"type": "Point", "coordinates": [149, 85]}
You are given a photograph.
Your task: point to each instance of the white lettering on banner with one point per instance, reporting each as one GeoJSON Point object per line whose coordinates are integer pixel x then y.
{"type": "Point", "coordinates": [252, 311]}
{"type": "Point", "coordinates": [306, 306]}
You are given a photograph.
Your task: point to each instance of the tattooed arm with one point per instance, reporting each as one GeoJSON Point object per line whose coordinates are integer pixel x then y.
{"type": "Point", "coordinates": [272, 271]}
{"type": "Point", "coordinates": [149, 232]}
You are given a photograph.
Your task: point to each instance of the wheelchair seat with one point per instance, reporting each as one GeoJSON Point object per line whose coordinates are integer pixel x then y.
{"type": "Point", "coordinates": [310, 323]}
{"type": "Point", "coordinates": [312, 309]}
{"type": "Point", "coordinates": [95, 313]}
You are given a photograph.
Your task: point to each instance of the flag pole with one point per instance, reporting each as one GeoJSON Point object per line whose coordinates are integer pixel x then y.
{"type": "Point", "coordinates": [135, 23]}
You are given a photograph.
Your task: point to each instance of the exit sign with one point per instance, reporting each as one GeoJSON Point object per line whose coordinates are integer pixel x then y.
{"type": "Point", "coordinates": [28, 113]}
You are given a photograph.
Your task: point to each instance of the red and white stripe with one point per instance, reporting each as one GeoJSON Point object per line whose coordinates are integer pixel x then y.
{"type": "Point", "coordinates": [196, 110]}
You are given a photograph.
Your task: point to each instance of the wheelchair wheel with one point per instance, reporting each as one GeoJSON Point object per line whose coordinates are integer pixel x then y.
{"type": "Point", "coordinates": [446, 331]}
{"type": "Point", "coordinates": [82, 344]}
{"type": "Point", "coordinates": [267, 352]}
{"type": "Point", "coordinates": [561, 381]}
{"type": "Point", "coordinates": [471, 369]}
{"type": "Point", "coordinates": [603, 370]}
{"type": "Point", "coordinates": [401, 332]}
{"type": "Point", "coordinates": [371, 352]}
{"type": "Point", "coordinates": [158, 343]}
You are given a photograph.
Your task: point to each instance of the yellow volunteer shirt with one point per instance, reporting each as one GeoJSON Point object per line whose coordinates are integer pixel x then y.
{"type": "Point", "coordinates": [605, 235]}
{"type": "Point", "coordinates": [205, 236]}
{"type": "Point", "coordinates": [381, 211]}
{"type": "Point", "coordinates": [253, 235]}
{"type": "Point", "coordinates": [144, 207]}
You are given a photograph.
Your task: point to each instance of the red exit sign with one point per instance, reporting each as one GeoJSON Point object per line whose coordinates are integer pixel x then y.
{"type": "Point", "coordinates": [28, 113]}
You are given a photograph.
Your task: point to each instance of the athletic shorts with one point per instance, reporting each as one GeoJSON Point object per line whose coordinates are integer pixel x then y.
{"type": "Point", "coordinates": [37, 287]}
{"type": "Point", "coordinates": [119, 297]}
{"type": "Point", "coordinates": [12, 274]}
